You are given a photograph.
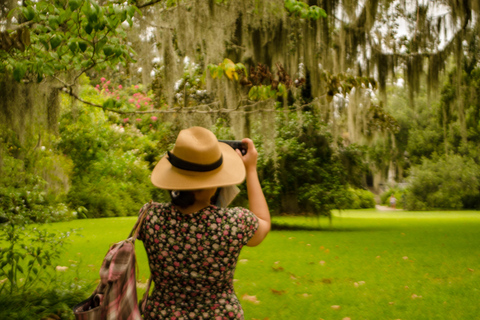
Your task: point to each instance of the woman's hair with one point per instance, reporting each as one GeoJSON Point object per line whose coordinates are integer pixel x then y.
{"type": "Point", "coordinates": [182, 199]}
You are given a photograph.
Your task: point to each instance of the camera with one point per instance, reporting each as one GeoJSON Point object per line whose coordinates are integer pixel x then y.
{"type": "Point", "coordinates": [237, 144]}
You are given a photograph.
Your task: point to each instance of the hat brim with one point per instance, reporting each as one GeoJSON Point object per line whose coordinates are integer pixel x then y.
{"type": "Point", "coordinates": [231, 172]}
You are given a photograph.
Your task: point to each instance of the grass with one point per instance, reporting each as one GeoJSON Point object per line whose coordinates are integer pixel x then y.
{"type": "Point", "coordinates": [373, 265]}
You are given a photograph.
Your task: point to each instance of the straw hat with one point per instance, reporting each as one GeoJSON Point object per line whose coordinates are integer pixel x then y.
{"type": "Point", "coordinates": [198, 161]}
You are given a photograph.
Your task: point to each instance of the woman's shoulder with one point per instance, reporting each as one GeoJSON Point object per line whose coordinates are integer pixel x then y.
{"type": "Point", "coordinates": [155, 206]}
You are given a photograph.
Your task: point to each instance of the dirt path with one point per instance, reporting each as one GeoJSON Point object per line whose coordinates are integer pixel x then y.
{"type": "Point", "coordinates": [385, 208]}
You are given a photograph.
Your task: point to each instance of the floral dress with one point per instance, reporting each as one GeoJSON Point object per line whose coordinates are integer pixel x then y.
{"type": "Point", "coordinates": [192, 258]}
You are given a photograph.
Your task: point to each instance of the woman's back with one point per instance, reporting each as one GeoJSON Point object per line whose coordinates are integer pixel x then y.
{"type": "Point", "coordinates": [192, 258]}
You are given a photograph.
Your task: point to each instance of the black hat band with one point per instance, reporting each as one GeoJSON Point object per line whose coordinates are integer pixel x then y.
{"type": "Point", "coordinates": [190, 166]}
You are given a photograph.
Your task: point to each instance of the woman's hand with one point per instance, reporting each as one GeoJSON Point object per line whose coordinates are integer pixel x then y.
{"type": "Point", "coordinates": [250, 158]}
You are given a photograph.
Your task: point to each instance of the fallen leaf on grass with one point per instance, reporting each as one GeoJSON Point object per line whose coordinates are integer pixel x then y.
{"type": "Point", "coordinates": [391, 303]}
{"type": "Point", "coordinates": [405, 258]}
{"type": "Point", "coordinates": [306, 295]}
{"type": "Point", "coordinates": [252, 299]}
{"type": "Point", "coordinates": [292, 276]}
{"type": "Point", "coordinates": [243, 260]}
{"type": "Point", "coordinates": [328, 281]}
{"type": "Point", "coordinates": [61, 268]}
{"type": "Point", "coordinates": [3, 280]}
{"type": "Point", "coordinates": [414, 296]}
{"type": "Point", "coordinates": [471, 270]}
{"type": "Point", "coordinates": [141, 285]}
{"type": "Point", "coordinates": [346, 318]}
{"type": "Point", "coordinates": [278, 292]}
{"type": "Point", "coordinates": [278, 268]}
{"type": "Point", "coordinates": [322, 263]}
{"type": "Point", "coordinates": [335, 307]}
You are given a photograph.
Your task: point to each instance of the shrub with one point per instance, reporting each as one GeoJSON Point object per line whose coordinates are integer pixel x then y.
{"type": "Point", "coordinates": [449, 183]}
{"type": "Point", "coordinates": [110, 175]}
{"type": "Point", "coordinates": [360, 199]}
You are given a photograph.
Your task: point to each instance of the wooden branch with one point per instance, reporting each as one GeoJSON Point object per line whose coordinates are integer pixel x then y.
{"type": "Point", "coordinates": [21, 26]}
{"type": "Point", "coordinates": [69, 91]}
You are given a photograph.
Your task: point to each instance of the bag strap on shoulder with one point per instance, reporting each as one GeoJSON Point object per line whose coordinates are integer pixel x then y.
{"type": "Point", "coordinates": [138, 224]}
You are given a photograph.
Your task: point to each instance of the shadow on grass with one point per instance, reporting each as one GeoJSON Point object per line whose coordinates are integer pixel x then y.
{"type": "Point", "coordinates": [289, 227]}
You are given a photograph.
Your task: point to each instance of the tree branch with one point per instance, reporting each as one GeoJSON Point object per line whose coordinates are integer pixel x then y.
{"type": "Point", "coordinates": [68, 91]}
{"type": "Point", "coordinates": [22, 25]}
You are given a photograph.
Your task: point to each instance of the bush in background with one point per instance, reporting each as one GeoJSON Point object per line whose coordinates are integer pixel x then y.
{"type": "Point", "coordinates": [110, 176]}
{"type": "Point", "coordinates": [360, 199]}
{"type": "Point", "coordinates": [450, 182]}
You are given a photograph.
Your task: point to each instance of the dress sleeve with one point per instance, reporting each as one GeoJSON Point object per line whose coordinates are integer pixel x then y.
{"type": "Point", "coordinates": [247, 224]}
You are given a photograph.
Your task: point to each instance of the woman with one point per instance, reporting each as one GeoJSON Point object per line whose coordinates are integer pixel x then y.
{"type": "Point", "coordinates": [192, 245]}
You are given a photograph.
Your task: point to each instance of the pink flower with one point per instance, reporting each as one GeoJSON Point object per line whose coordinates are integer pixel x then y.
{"type": "Point", "coordinates": [146, 103]}
{"type": "Point", "coordinates": [136, 87]}
{"type": "Point", "coordinates": [97, 86]}
{"type": "Point", "coordinates": [125, 121]}
{"type": "Point", "coordinates": [199, 236]}
{"type": "Point", "coordinates": [108, 82]}
{"type": "Point", "coordinates": [102, 79]}
{"type": "Point", "coordinates": [138, 106]}
{"type": "Point", "coordinates": [131, 100]}
{"type": "Point", "coordinates": [120, 87]}
{"type": "Point", "coordinates": [154, 118]}
{"type": "Point", "coordinates": [138, 119]}
{"type": "Point", "coordinates": [118, 98]}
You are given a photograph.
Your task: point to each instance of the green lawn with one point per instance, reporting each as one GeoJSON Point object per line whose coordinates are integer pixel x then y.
{"type": "Point", "coordinates": [373, 265]}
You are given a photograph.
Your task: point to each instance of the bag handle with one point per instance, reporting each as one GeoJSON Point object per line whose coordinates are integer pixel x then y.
{"type": "Point", "coordinates": [134, 234]}
{"type": "Point", "coordinates": [136, 228]}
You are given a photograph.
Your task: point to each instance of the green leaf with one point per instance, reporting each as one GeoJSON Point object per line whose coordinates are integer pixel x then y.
{"type": "Point", "coordinates": [28, 13]}
{"type": "Point", "coordinates": [100, 44]}
{"type": "Point", "coordinates": [53, 21]}
{"type": "Point", "coordinates": [55, 41]}
{"type": "Point", "coordinates": [82, 45]}
{"type": "Point", "coordinates": [108, 50]}
{"type": "Point", "coordinates": [19, 71]}
{"type": "Point", "coordinates": [74, 4]}
{"type": "Point", "coordinates": [73, 46]}
{"type": "Point", "coordinates": [88, 28]}
{"type": "Point", "coordinates": [253, 93]}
